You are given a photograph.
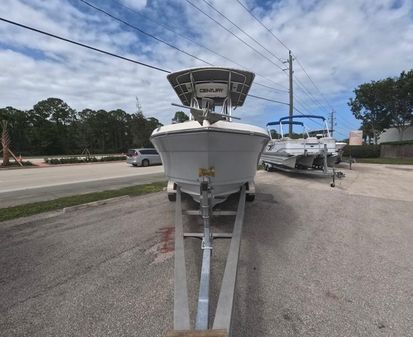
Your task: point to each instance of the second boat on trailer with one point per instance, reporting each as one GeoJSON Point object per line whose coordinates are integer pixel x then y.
{"type": "Point", "coordinates": [311, 150]}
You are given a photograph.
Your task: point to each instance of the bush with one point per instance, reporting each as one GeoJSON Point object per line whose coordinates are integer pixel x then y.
{"type": "Point", "coordinates": [362, 151]}
{"type": "Point", "coordinates": [54, 161]}
{"type": "Point", "coordinates": [399, 142]}
{"type": "Point", "coordinates": [113, 158]}
{"type": "Point", "coordinates": [75, 160]}
{"type": "Point", "coordinates": [14, 163]}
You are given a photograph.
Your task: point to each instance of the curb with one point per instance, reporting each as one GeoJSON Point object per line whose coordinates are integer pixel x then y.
{"type": "Point", "coordinates": [94, 204]}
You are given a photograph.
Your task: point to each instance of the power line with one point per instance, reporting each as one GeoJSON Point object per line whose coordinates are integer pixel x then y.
{"type": "Point", "coordinates": [302, 105]}
{"type": "Point", "coordinates": [340, 133]}
{"type": "Point", "coordinates": [268, 99]}
{"type": "Point", "coordinates": [260, 22]}
{"type": "Point", "coordinates": [169, 44]}
{"type": "Point", "coordinates": [109, 53]}
{"type": "Point", "coordinates": [345, 122]}
{"type": "Point", "coordinates": [246, 33]}
{"type": "Point", "coordinates": [251, 37]}
{"type": "Point", "coordinates": [308, 93]}
{"type": "Point", "coordinates": [317, 102]}
{"type": "Point", "coordinates": [84, 45]}
{"type": "Point", "coordinates": [268, 87]}
{"type": "Point", "coordinates": [342, 120]}
{"type": "Point", "coordinates": [229, 31]}
{"type": "Point", "coordinates": [144, 32]}
{"type": "Point", "coordinates": [286, 47]}
{"type": "Point", "coordinates": [305, 72]}
{"type": "Point", "coordinates": [301, 113]}
{"type": "Point", "coordinates": [311, 119]}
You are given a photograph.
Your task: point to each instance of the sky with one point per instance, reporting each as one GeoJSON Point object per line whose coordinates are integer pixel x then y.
{"type": "Point", "coordinates": [340, 44]}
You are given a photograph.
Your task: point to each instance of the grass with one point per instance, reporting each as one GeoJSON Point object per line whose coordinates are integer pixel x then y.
{"type": "Point", "coordinates": [14, 212]}
{"type": "Point", "coordinates": [396, 161]}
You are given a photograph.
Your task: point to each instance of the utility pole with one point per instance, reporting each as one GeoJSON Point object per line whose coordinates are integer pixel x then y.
{"type": "Point", "coordinates": [332, 122]}
{"type": "Point", "coordinates": [290, 72]}
{"type": "Point", "coordinates": [138, 106]}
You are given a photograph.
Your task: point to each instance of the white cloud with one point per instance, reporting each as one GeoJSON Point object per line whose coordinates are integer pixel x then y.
{"type": "Point", "coordinates": [136, 4]}
{"type": "Point", "coordinates": [341, 44]}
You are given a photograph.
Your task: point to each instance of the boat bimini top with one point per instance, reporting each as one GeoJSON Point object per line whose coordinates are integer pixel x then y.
{"type": "Point", "coordinates": [281, 123]}
{"type": "Point", "coordinates": [202, 89]}
{"type": "Point", "coordinates": [289, 120]}
{"type": "Point", "coordinates": [285, 123]}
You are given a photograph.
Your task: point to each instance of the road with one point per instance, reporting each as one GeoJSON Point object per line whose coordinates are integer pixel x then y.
{"type": "Point", "coordinates": [20, 186]}
{"type": "Point", "coordinates": [314, 262]}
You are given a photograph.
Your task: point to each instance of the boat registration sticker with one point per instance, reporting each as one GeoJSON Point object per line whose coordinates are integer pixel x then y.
{"type": "Point", "coordinates": [206, 172]}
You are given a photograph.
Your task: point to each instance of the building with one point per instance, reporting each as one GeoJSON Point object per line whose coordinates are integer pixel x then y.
{"type": "Point", "coordinates": [392, 135]}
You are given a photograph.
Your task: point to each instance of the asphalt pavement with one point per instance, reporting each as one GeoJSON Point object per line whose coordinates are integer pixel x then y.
{"type": "Point", "coordinates": [314, 261]}
{"type": "Point", "coordinates": [20, 186]}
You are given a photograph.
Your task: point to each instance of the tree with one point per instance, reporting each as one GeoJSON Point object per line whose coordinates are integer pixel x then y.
{"type": "Point", "coordinates": [137, 130]}
{"type": "Point", "coordinates": [140, 128]}
{"type": "Point", "coordinates": [18, 128]}
{"type": "Point", "coordinates": [119, 120]}
{"type": "Point", "coordinates": [367, 133]}
{"type": "Point", "coordinates": [54, 119]}
{"type": "Point", "coordinates": [151, 124]}
{"type": "Point", "coordinates": [5, 142]}
{"type": "Point", "coordinates": [180, 117]}
{"type": "Point", "coordinates": [369, 105]}
{"type": "Point", "coordinates": [400, 107]}
{"type": "Point", "coordinates": [53, 127]}
{"type": "Point", "coordinates": [274, 134]}
{"type": "Point", "coordinates": [384, 103]}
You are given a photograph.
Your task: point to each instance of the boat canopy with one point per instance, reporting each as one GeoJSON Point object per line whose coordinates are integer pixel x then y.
{"type": "Point", "coordinates": [212, 83]}
{"type": "Point", "coordinates": [285, 123]}
{"type": "Point", "coordinates": [301, 116]}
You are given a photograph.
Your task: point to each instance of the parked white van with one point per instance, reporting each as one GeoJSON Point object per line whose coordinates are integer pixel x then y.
{"type": "Point", "coordinates": [143, 157]}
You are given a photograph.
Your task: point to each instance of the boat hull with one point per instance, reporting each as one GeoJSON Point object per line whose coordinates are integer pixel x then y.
{"type": "Point", "coordinates": [228, 152]}
{"type": "Point", "coordinates": [297, 153]}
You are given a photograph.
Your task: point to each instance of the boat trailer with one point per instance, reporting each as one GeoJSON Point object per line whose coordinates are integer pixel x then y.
{"type": "Point", "coordinates": [222, 324]}
{"type": "Point", "coordinates": [323, 171]}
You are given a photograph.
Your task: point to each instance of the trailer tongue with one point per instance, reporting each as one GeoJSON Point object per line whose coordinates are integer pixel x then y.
{"type": "Point", "coordinates": [222, 324]}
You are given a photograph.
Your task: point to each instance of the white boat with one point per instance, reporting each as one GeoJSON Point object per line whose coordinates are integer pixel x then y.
{"type": "Point", "coordinates": [210, 146]}
{"type": "Point", "coordinates": [300, 153]}
{"type": "Point", "coordinates": [339, 150]}
{"type": "Point", "coordinates": [340, 146]}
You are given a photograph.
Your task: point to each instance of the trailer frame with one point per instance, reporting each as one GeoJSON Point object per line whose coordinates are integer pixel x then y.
{"type": "Point", "coordinates": [222, 324]}
{"type": "Point", "coordinates": [325, 171]}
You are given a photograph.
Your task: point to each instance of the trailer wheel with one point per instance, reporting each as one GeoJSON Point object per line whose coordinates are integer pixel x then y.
{"type": "Point", "coordinates": [172, 197]}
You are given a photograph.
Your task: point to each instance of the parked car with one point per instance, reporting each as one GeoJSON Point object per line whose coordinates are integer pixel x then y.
{"type": "Point", "coordinates": [143, 157]}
